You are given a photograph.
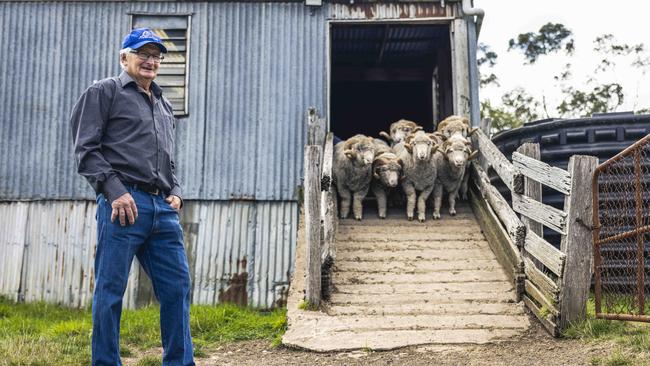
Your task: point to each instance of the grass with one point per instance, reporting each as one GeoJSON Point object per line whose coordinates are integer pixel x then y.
{"type": "Point", "coordinates": [45, 334]}
{"type": "Point", "coordinates": [628, 336]}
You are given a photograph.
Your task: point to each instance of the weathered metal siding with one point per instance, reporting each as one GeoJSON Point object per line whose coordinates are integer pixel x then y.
{"type": "Point", "coordinates": [254, 70]}
{"type": "Point", "coordinates": [57, 49]}
{"type": "Point", "coordinates": [388, 11]}
{"type": "Point", "coordinates": [238, 251]}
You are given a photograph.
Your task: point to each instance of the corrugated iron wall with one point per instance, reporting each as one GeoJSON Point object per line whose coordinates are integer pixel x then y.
{"type": "Point", "coordinates": [255, 68]}
{"type": "Point", "coordinates": [240, 252]}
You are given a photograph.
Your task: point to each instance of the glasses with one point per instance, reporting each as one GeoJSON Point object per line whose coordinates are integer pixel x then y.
{"type": "Point", "coordinates": [145, 56]}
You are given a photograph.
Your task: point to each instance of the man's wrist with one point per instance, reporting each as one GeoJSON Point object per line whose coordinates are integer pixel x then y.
{"type": "Point", "coordinates": [176, 191]}
{"type": "Point", "coordinates": [113, 188]}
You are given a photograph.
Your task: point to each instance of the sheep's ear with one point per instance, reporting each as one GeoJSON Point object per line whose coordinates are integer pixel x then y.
{"type": "Point", "coordinates": [350, 154]}
{"type": "Point", "coordinates": [434, 148]}
{"type": "Point", "coordinates": [400, 162]}
{"type": "Point", "coordinates": [473, 155]}
{"type": "Point", "coordinates": [375, 173]}
{"type": "Point", "coordinates": [465, 120]}
{"type": "Point", "coordinates": [408, 147]}
{"type": "Point", "coordinates": [471, 131]}
{"type": "Point", "coordinates": [417, 128]}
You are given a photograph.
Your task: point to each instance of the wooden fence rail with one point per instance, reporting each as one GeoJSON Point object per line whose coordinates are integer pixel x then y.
{"type": "Point", "coordinates": [553, 283]}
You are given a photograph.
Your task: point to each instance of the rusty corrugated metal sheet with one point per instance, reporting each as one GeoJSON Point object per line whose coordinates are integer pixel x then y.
{"type": "Point", "coordinates": [385, 11]}
{"type": "Point", "coordinates": [239, 252]}
{"type": "Point", "coordinates": [254, 70]}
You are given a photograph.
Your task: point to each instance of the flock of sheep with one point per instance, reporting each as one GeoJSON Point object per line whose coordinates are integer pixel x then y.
{"type": "Point", "coordinates": [420, 162]}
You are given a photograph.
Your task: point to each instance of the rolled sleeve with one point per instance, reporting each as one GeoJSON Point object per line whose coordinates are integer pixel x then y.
{"type": "Point", "coordinates": [88, 121]}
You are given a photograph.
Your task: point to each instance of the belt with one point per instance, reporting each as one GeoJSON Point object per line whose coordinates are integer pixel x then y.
{"type": "Point", "coordinates": [149, 188]}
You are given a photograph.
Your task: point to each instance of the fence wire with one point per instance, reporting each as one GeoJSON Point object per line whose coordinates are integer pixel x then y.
{"type": "Point", "coordinates": [621, 234]}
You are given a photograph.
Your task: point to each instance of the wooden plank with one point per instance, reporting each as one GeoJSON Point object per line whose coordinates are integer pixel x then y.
{"type": "Point", "coordinates": [495, 158]}
{"type": "Point", "coordinates": [500, 242]}
{"type": "Point", "coordinates": [460, 73]}
{"type": "Point", "coordinates": [556, 178]}
{"type": "Point", "coordinates": [316, 127]}
{"type": "Point", "coordinates": [543, 318]}
{"type": "Point", "coordinates": [548, 216]}
{"type": "Point", "coordinates": [328, 157]}
{"type": "Point", "coordinates": [328, 198]}
{"type": "Point", "coordinates": [532, 188]}
{"type": "Point", "coordinates": [574, 286]}
{"type": "Point", "coordinates": [312, 223]}
{"type": "Point", "coordinates": [507, 216]}
{"type": "Point", "coordinates": [547, 303]}
{"type": "Point", "coordinates": [546, 285]}
{"type": "Point", "coordinates": [544, 252]}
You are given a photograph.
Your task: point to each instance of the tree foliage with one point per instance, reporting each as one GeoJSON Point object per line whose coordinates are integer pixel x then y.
{"type": "Point", "coordinates": [486, 58]}
{"type": "Point", "coordinates": [600, 99]}
{"type": "Point", "coordinates": [551, 37]}
{"type": "Point", "coordinates": [517, 107]}
{"type": "Point", "coordinates": [584, 98]}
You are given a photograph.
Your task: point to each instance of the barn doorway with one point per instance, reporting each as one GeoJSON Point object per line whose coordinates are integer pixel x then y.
{"type": "Point", "coordinates": [381, 73]}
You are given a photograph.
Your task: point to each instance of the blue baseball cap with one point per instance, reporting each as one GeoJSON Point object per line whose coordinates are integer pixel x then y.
{"type": "Point", "coordinates": [141, 36]}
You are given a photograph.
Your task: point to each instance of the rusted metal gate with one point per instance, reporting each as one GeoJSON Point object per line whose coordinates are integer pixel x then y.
{"type": "Point", "coordinates": [621, 201]}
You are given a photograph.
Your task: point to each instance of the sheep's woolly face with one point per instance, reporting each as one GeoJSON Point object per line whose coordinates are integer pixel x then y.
{"type": "Point", "coordinates": [421, 145]}
{"type": "Point", "coordinates": [455, 126]}
{"type": "Point", "coordinates": [361, 149]}
{"type": "Point", "coordinates": [402, 128]}
{"type": "Point", "coordinates": [458, 152]}
{"type": "Point", "coordinates": [386, 168]}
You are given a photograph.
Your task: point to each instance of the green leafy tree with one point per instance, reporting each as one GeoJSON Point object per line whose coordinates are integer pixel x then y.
{"type": "Point", "coordinates": [517, 107]}
{"type": "Point", "coordinates": [486, 58]}
{"type": "Point", "coordinates": [551, 37]}
{"type": "Point", "coordinates": [600, 99]}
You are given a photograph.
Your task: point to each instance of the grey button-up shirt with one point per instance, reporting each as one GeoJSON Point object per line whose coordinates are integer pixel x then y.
{"type": "Point", "coordinates": [122, 136]}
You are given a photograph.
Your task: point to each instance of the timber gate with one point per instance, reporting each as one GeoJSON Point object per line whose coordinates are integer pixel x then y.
{"type": "Point", "coordinates": [621, 201]}
{"type": "Point", "coordinates": [553, 283]}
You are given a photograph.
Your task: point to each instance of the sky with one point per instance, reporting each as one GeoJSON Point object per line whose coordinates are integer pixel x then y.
{"type": "Point", "coordinates": [625, 19]}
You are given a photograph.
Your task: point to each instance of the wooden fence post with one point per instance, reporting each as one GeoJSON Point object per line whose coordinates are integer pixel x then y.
{"type": "Point", "coordinates": [312, 194]}
{"type": "Point", "coordinates": [532, 188]}
{"type": "Point", "coordinates": [577, 243]}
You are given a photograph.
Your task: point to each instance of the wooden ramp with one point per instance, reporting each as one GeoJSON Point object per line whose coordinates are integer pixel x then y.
{"type": "Point", "coordinates": [398, 283]}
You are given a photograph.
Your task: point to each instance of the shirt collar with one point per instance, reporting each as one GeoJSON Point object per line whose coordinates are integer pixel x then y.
{"type": "Point", "coordinates": [126, 79]}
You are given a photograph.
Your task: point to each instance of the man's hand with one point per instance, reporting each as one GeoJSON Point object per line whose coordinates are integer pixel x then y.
{"type": "Point", "coordinates": [124, 207]}
{"type": "Point", "coordinates": [174, 201]}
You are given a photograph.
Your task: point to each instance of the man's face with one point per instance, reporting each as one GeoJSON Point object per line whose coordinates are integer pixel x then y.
{"type": "Point", "coordinates": [139, 68]}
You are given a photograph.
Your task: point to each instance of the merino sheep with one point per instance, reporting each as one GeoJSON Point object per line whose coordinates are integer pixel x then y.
{"type": "Point", "coordinates": [450, 160]}
{"type": "Point", "coordinates": [419, 171]}
{"type": "Point", "coordinates": [399, 130]}
{"type": "Point", "coordinates": [352, 170]}
{"type": "Point", "coordinates": [386, 170]}
{"type": "Point", "coordinates": [455, 126]}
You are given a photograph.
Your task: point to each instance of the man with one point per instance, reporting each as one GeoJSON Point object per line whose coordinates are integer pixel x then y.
{"type": "Point", "coordinates": [123, 133]}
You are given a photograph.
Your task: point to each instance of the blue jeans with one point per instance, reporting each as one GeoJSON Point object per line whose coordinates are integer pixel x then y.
{"type": "Point", "coordinates": [156, 239]}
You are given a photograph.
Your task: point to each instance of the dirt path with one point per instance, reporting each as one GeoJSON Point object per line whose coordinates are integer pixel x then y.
{"type": "Point", "coordinates": [534, 348]}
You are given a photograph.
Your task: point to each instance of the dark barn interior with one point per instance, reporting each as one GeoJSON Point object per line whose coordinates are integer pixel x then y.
{"type": "Point", "coordinates": [381, 73]}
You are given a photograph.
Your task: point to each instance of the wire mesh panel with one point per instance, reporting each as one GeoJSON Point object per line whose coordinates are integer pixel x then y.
{"type": "Point", "coordinates": [622, 233]}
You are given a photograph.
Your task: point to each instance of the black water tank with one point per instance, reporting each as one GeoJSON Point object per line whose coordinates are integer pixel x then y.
{"type": "Point", "coordinates": [603, 136]}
